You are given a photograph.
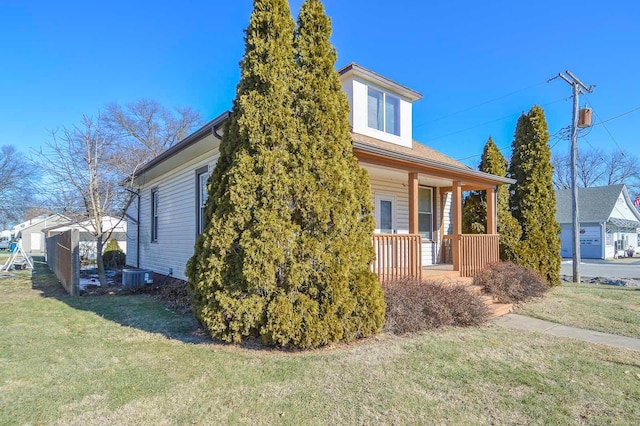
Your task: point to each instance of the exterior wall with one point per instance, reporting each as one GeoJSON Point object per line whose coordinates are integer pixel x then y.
{"type": "Point", "coordinates": [613, 235]}
{"type": "Point", "coordinates": [33, 239]}
{"type": "Point", "coordinates": [592, 241]}
{"type": "Point", "coordinates": [132, 233]}
{"type": "Point", "coordinates": [356, 90]}
{"type": "Point", "coordinates": [622, 210]}
{"type": "Point", "coordinates": [176, 219]}
{"type": "Point", "coordinates": [397, 188]}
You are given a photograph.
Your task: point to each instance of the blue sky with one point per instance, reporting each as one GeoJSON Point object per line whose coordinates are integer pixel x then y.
{"type": "Point", "coordinates": [478, 64]}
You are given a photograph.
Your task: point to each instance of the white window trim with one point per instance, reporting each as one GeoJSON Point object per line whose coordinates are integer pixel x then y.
{"type": "Point", "coordinates": [384, 110]}
{"type": "Point", "coordinates": [385, 197]}
{"type": "Point", "coordinates": [201, 172]}
{"type": "Point", "coordinates": [432, 212]}
{"type": "Point", "coordinates": [155, 216]}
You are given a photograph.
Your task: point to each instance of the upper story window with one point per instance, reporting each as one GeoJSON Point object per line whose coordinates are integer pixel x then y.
{"type": "Point", "coordinates": [383, 112]}
{"type": "Point", "coordinates": [202, 176]}
{"type": "Point", "coordinates": [154, 215]}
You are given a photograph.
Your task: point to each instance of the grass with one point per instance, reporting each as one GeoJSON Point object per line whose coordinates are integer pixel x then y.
{"type": "Point", "coordinates": [129, 360]}
{"type": "Point", "coordinates": [605, 308]}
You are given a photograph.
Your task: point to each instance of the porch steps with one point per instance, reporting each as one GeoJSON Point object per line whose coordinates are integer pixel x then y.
{"type": "Point", "coordinates": [495, 309]}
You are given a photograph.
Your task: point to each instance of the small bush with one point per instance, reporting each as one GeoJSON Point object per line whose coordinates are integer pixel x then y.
{"type": "Point", "coordinates": [414, 305]}
{"type": "Point", "coordinates": [113, 256]}
{"type": "Point", "coordinates": [511, 283]}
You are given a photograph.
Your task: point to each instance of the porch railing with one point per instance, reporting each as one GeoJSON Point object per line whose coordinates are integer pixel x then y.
{"type": "Point", "coordinates": [475, 252]}
{"type": "Point", "coordinates": [397, 256]}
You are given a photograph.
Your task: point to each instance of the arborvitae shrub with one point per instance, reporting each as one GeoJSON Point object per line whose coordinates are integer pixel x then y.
{"type": "Point", "coordinates": [511, 283]}
{"type": "Point", "coordinates": [414, 305]}
{"type": "Point", "coordinates": [286, 248]}
{"type": "Point", "coordinates": [113, 256]}
{"type": "Point", "coordinates": [533, 200]}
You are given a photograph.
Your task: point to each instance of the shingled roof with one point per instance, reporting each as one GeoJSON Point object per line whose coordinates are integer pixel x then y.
{"type": "Point", "coordinates": [594, 204]}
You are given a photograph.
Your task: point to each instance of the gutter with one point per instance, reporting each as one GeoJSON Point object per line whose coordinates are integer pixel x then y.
{"type": "Point", "coordinates": [430, 163]}
{"type": "Point", "coordinates": [209, 128]}
{"type": "Point", "coordinates": [138, 235]}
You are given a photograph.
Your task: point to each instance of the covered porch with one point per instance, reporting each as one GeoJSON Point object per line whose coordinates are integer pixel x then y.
{"type": "Point", "coordinates": [418, 238]}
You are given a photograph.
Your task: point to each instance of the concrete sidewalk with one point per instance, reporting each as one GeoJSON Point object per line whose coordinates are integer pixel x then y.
{"type": "Point", "coordinates": [521, 322]}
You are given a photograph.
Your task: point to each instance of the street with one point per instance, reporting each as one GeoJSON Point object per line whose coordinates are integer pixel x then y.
{"type": "Point", "coordinates": [618, 268]}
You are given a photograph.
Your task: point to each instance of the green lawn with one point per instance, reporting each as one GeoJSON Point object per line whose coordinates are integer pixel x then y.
{"type": "Point", "coordinates": [129, 360]}
{"type": "Point", "coordinates": [605, 308]}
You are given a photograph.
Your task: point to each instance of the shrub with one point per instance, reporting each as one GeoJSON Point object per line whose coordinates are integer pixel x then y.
{"type": "Point", "coordinates": [113, 256]}
{"type": "Point", "coordinates": [414, 305]}
{"type": "Point", "coordinates": [286, 249]}
{"type": "Point", "coordinates": [511, 283]}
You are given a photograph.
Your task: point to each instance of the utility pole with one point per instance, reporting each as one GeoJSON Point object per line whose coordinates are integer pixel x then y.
{"type": "Point", "coordinates": [577, 88]}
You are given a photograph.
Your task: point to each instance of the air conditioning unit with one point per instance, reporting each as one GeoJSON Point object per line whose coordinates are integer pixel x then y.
{"type": "Point", "coordinates": [133, 278]}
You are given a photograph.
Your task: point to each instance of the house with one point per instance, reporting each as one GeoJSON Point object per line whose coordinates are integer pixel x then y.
{"type": "Point", "coordinates": [31, 234]}
{"type": "Point", "coordinates": [417, 191]}
{"type": "Point", "coordinates": [609, 222]}
{"type": "Point", "coordinates": [117, 226]}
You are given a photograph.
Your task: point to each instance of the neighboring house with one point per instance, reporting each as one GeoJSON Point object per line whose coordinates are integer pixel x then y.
{"type": "Point", "coordinates": [417, 191]}
{"type": "Point", "coordinates": [87, 231]}
{"type": "Point", "coordinates": [608, 222]}
{"type": "Point", "coordinates": [31, 232]}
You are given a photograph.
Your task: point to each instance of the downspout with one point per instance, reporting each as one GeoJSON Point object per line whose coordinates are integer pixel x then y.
{"type": "Point", "coordinates": [138, 235]}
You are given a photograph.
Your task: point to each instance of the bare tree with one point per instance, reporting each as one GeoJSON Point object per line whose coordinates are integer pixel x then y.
{"type": "Point", "coordinates": [18, 177]}
{"type": "Point", "coordinates": [147, 128]}
{"type": "Point", "coordinates": [595, 168]}
{"type": "Point", "coordinates": [33, 212]}
{"type": "Point", "coordinates": [84, 179]}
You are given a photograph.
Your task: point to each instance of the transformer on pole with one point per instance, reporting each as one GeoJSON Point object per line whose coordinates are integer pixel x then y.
{"type": "Point", "coordinates": [581, 118]}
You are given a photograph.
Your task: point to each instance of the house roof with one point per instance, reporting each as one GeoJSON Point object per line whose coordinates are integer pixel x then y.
{"type": "Point", "coordinates": [382, 81]}
{"type": "Point", "coordinates": [595, 204]}
{"type": "Point", "coordinates": [108, 222]}
{"type": "Point", "coordinates": [623, 223]}
{"type": "Point", "coordinates": [422, 155]}
{"type": "Point", "coordinates": [56, 218]}
{"type": "Point", "coordinates": [209, 128]}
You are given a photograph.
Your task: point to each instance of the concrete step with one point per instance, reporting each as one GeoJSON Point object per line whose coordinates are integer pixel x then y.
{"type": "Point", "coordinates": [499, 309]}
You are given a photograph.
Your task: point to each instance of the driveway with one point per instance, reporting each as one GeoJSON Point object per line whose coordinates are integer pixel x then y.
{"type": "Point", "coordinates": [617, 268]}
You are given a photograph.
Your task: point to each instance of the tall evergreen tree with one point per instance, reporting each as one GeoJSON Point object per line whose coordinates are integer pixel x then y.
{"type": "Point", "coordinates": [533, 201]}
{"type": "Point", "coordinates": [474, 213]}
{"type": "Point", "coordinates": [242, 258]}
{"type": "Point", "coordinates": [333, 203]}
{"type": "Point", "coordinates": [286, 250]}
{"type": "Point", "coordinates": [475, 208]}
{"type": "Point", "coordinates": [508, 227]}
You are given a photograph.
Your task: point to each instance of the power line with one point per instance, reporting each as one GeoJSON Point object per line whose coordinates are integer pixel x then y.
{"type": "Point", "coordinates": [479, 105]}
{"type": "Point", "coordinates": [606, 128]}
{"type": "Point", "coordinates": [556, 137]}
{"type": "Point", "coordinates": [488, 122]}
{"type": "Point", "coordinates": [617, 116]}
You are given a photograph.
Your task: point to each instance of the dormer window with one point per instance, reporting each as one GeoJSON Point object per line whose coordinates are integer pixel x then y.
{"type": "Point", "coordinates": [383, 112]}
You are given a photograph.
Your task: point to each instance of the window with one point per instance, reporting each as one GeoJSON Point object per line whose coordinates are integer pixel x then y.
{"type": "Point", "coordinates": [154, 215]}
{"type": "Point", "coordinates": [202, 176]}
{"type": "Point", "coordinates": [385, 214]}
{"type": "Point", "coordinates": [383, 112]}
{"type": "Point", "coordinates": [425, 212]}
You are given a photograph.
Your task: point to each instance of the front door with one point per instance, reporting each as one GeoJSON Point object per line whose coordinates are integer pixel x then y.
{"type": "Point", "coordinates": [385, 212]}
